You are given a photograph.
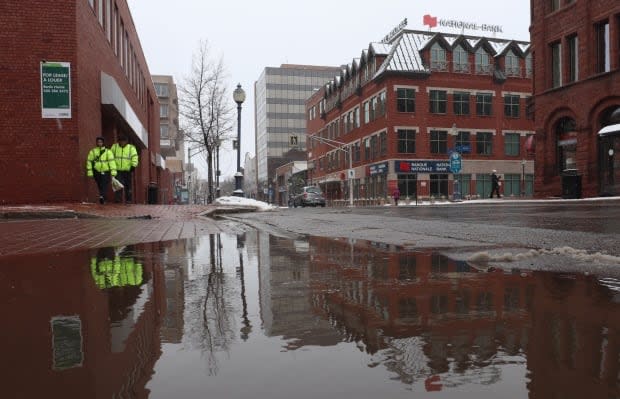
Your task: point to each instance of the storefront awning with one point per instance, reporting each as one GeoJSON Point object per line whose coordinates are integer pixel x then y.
{"type": "Point", "coordinates": [610, 130]}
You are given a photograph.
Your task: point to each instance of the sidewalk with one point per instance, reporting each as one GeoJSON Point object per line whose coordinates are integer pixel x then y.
{"type": "Point", "coordinates": [52, 228]}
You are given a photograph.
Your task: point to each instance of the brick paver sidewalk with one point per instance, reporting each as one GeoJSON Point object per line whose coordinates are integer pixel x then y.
{"type": "Point", "coordinates": [39, 229]}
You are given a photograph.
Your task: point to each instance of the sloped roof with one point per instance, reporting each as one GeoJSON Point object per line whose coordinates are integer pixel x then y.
{"type": "Point", "coordinates": [380, 48]}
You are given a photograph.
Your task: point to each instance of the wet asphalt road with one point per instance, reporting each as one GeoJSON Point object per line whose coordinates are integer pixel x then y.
{"type": "Point", "coordinates": [570, 235]}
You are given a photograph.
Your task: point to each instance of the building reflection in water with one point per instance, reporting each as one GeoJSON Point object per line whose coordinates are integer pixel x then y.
{"type": "Point", "coordinates": [82, 324]}
{"type": "Point", "coordinates": [428, 318]}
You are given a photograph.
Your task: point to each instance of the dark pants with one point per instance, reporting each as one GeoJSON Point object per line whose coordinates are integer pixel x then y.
{"type": "Point", "coordinates": [103, 182]}
{"type": "Point", "coordinates": [125, 178]}
{"type": "Point", "coordinates": [495, 190]}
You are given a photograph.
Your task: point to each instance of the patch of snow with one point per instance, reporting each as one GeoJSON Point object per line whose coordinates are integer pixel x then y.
{"type": "Point", "coordinates": [241, 201]}
{"type": "Point", "coordinates": [578, 254]}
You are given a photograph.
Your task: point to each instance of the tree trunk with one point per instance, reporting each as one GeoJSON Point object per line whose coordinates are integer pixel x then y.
{"type": "Point", "coordinates": [210, 174]}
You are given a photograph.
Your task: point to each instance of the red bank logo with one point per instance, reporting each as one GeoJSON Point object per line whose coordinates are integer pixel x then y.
{"type": "Point", "coordinates": [430, 21]}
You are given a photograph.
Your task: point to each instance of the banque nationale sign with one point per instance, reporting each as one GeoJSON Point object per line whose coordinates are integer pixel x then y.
{"type": "Point", "coordinates": [432, 22]}
{"type": "Point", "coordinates": [55, 90]}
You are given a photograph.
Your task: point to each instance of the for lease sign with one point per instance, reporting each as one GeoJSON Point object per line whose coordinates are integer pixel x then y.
{"type": "Point", "coordinates": [55, 90]}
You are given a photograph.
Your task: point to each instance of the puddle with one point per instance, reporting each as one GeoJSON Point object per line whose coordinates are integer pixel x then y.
{"type": "Point", "coordinates": [257, 316]}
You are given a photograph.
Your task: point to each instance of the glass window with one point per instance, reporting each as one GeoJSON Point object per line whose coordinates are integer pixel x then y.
{"type": "Point", "coordinates": [512, 64]}
{"type": "Point", "coordinates": [529, 69]}
{"type": "Point", "coordinates": [163, 131]}
{"type": "Point", "coordinates": [405, 100]}
{"type": "Point", "coordinates": [406, 141]}
{"type": "Point", "coordinates": [483, 65]}
{"type": "Point", "coordinates": [511, 106]}
{"type": "Point", "coordinates": [554, 4]}
{"type": "Point", "coordinates": [407, 185]}
{"type": "Point", "coordinates": [573, 58]}
{"type": "Point", "coordinates": [439, 142]}
{"type": "Point", "coordinates": [566, 137]}
{"type": "Point", "coordinates": [484, 143]}
{"type": "Point", "coordinates": [163, 110]}
{"type": "Point", "coordinates": [439, 185]}
{"type": "Point", "coordinates": [461, 103]}
{"type": "Point", "coordinates": [556, 65]}
{"type": "Point", "coordinates": [483, 104]}
{"type": "Point", "coordinates": [483, 185]}
{"type": "Point", "coordinates": [438, 58]}
{"type": "Point", "coordinates": [511, 144]}
{"type": "Point", "coordinates": [602, 47]}
{"type": "Point", "coordinates": [460, 59]}
{"type": "Point", "coordinates": [463, 142]}
{"type": "Point", "coordinates": [464, 181]}
{"type": "Point", "coordinates": [512, 184]}
{"type": "Point", "coordinates": [438, 101]}
{"type": "Point", "coordinates": [383, 143]}
{"type": "Point", "coordinates": [366, 112]}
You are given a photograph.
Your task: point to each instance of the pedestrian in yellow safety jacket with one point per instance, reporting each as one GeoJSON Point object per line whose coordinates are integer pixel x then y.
{"type": "Point", "coordinates": [126, 157]}
{"type": "Point", "coordinates": [115, 271]}
{"type": "Point", "coordinates": [100, 164]}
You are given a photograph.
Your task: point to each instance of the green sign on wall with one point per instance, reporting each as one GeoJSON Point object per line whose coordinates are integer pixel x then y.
{"type": "Point", "coordinates": [56, 89]}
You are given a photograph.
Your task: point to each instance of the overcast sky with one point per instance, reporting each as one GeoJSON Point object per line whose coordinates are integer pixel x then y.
{"type": "Point", "coordinates": [252, 35]}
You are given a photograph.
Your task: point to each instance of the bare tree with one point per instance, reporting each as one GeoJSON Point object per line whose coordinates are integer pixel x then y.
{"type": "Point", "coordinates": [206, 107]}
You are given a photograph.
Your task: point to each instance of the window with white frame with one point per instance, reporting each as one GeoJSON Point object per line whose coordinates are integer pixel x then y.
{"type": "Point", "coordinates": [405, 100]}
{"type": "Point", "coordinates": [511, 63]}
{"type": "Point", "coordinates": [511, 144]}
{"type": "Point", "coordinates": [438, 101]}
{"type": "Point", "coordinates": [484, 143]}
{"type": "Point", "coordinates": [460, 60]}
{"type": "Point", "coordinates": [163, 110]}
{"type": "Point", "coordinates": [529, 67]}
{"type": "Point", "coordinates": [406, 141]}
{"type": "Point", "coordinates": [438, 58]}
{"type": "Point", "coordinates": [511, 106]}
{"type": "Point", "coordinates": [461, 102]}
{"type": "Point", "coordinates": [484, 103]}
{"type": "Point", "coordinates": [439, 142]}
{"type": "Point", "coordinates": [483, 64]}
{"type": "Point", "coordinates": [163, 131]}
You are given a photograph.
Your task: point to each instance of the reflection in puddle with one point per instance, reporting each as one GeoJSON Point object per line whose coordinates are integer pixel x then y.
{"type": "Point", "coordinates": [254, 315]}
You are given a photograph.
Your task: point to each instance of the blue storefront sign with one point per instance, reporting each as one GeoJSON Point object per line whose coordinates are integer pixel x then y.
{"type": "Point", "coordinates": [463, 149]}
{"type": "Point", "coordinates": [421, 166]}
{"type": "Point", "coordinates": [378, 169]}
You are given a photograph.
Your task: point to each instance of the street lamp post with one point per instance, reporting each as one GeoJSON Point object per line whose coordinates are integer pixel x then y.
{"type": "Point", "coordinates": [239, 97]}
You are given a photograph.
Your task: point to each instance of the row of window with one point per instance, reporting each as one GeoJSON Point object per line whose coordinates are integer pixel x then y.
{"type": "Point", "coordinates": [564, 60]}
{"type": "Point", "coordinates": [439, 183]}
{"type": "Point", "coordinates": [376, 146]}
{"type": "Point", "coordinates": [482, 62]}
{"type": "Point", "coordinates": [114, 29]}
{"type": "Point", "coordinates": [375, 107]}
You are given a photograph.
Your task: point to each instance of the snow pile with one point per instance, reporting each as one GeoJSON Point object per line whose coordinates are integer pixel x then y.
{"type": "Point", "coordinates": [246, 202]}
{"type": "Point", "coordinates": [579, 254]}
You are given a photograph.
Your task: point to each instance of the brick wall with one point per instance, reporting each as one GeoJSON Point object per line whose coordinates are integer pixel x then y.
{"type": "Point", "coordinates": [43, 160]}
{"type": "Point", "coordinates": [585, 101]}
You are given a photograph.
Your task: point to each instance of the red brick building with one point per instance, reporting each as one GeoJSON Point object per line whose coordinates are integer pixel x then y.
{"type": "Point", "coordinates": [72, 70]}
{"type": "Point", "coordinates": [576, 45]}
{"type": "Point", "coordinates": [406, 106]}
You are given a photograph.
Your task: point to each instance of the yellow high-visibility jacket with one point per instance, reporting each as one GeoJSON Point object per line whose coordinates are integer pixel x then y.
{"type": "Point", "coordinates": [102, 160]}
{"type": "Point", "coordinates": [125, 157]}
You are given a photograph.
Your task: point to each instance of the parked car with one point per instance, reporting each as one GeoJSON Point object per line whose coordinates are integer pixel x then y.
{"type": "Point", "coordinates": [309, 196]}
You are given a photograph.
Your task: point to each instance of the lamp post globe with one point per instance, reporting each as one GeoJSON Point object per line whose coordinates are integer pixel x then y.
{"type": "Point", "coordinates": [239, 97]}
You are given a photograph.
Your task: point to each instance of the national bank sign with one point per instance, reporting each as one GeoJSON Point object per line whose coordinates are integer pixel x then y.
{"type": "Point", "coordinates": [433, 22]}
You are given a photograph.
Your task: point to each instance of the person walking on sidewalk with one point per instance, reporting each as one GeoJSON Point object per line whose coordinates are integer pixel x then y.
{"type": "Point", "coordinates": [396, 195]}
{"type": "Point", "coordinates": [494, 184]}
{"type": "Point", "coordinates": [101, 166]}
{"type": "Point", "coordinates": [126, 157]}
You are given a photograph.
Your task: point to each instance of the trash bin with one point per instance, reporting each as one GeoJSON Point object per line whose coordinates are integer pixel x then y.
{"type": "Point", "coordinates": [152, 193]}
{"type": "Point", "coordinates": [571, 184]}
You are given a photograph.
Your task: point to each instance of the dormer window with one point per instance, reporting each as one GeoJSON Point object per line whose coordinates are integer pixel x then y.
{"type": "Point", "coordinates": [512, 64]}
{"type": "Point", "coordinates": [460, 60]}
{"type": "Point", "coordinates": [483, 65]}
{"type": "Point", "coordinates": [438, 58]}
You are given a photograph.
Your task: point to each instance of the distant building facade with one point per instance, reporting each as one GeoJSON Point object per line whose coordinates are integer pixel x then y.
{"type": "Point", "coordinates": [170, 136]}
{"type": "Point", "coordinates": [279, 115]}
{"type": "Point", "coordinates": [411, 109]}
{"type": "Point", "coordinates": [577, 97]}
{"type": "Point", "coordinates": [74, 70]}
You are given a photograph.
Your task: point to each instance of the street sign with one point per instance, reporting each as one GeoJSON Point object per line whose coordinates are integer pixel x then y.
{"type": "Point", "coordinates": [455, 162]}
{"type": "Point", "coordinates": [351, 173]}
